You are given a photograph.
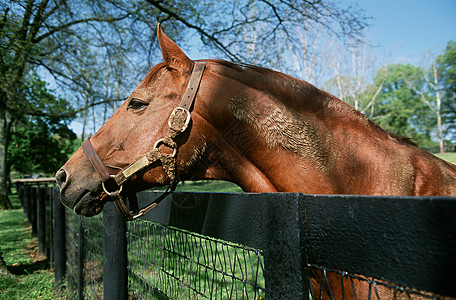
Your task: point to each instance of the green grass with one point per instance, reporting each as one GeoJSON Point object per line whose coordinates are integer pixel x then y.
{"type": "Point", "coordinates": [32, 278]}
{"type": "Point", "coordinates": [206, 186]}
{"type": "Point", "coordinates": [450, 156]}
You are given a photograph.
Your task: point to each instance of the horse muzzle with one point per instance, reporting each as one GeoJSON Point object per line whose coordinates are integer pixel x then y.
{"type": "Point", "coordinates": [84, 197]}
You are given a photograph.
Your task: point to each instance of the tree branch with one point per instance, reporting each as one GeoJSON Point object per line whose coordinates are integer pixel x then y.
{"type": "Point", "coordinates": [67, 25]}
{"type": "Point", "coordinates": [93, 104]}
{"type": "Point", "coordinates": [204, 33]}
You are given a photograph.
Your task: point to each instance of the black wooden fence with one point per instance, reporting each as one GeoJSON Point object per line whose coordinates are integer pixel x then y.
{"type": "Point", "coordinates": [275, 240]}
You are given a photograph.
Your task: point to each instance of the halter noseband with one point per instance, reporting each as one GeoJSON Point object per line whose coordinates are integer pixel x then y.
{"type": "Point", "coordinates": [178, 123]}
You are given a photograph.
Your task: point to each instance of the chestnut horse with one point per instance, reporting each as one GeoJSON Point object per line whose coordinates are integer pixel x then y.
{"type": "Point", "coordinates": [261, 129]}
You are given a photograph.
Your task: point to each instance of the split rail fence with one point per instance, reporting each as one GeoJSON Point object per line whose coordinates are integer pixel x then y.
{"type": "Point", "coordinates": [249, 246]}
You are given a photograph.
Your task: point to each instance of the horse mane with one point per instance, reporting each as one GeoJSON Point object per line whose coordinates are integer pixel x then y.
{"type": "Point", "coordinates": [268, 76]}
{"type": "Point", "coordinates": [405, 140]}
{"type": "Point", "coordinates": [286, 84]}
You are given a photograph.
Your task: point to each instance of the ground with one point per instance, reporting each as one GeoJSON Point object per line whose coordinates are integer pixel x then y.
{"type": "Point", "coordinates": [32, 278]}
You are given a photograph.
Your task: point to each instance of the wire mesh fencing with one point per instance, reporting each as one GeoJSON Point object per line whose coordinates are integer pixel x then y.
{"type": "Point", "coordinates": [327, 283]}
{"type": "Point", "coordinates": [177, 264]}
{"type": "Point", "coordinates": [93, 257]}
{"type": "Point", "coordinates": [84, 257]}
{"type": "Point", "coordinates": [71, 248]}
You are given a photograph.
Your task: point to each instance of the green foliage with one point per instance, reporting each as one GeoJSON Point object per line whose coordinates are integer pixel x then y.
{"type": "Point", "coordinates": [40, 101]}
{"type": "Point", "coordinates": [399, 108]}
{"type": "Point", "coordinates": [40, 146]}
{"type": "Point", "coordinates": [41, 143]}
{"type": "Point", "coordinates": [446, 63]}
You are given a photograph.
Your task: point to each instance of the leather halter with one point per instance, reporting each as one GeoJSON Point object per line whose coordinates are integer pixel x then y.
{"type": "Point", "coordinates": [178, 123]}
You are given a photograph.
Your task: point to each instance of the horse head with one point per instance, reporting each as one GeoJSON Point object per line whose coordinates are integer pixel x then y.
{"type": "Point", "coordinates": [131, 132]}
{"type": "Point", "coordinates": [142, 127]}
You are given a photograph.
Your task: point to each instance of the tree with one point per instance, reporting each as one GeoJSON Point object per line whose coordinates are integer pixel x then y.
{"type": "Point", "coordinates": [34, 35]}
{"type": "Point", "coordinates": [431, 95]}
{"type": "Point", "coordinates": [399, 107]}
{"type": "Point", "coordinates": [259, 31]}
{"type": "Point", "coordinates": [353, 71]}
{"type": "Point", "coordinates": [87, 45]}
{"type": "Point", "coordinates": [41, 143]}
{"type": "Point", "coordinates": [446, 66]}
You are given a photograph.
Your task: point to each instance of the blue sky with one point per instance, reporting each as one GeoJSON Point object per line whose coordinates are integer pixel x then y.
{"type": "Point", "coordinates": [406, 30]}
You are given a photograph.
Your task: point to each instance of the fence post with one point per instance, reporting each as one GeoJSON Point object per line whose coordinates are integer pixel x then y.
{"type": "Point", "coordinates": [285, 259]}
{"type": "Point", "coordinates": [20, 194]}
{"type": "Point", "coordinates": [33, 208]}
{"type": "Point", "coordinates": [59, 240]}
{"type": "Point", "coordinates": [115, 275]}
{"type": "Point", "coordinates": [80, 259]}
{"type": "Point", "coordinates": [49, 224]}
{"type": "Point", "coordinates": [27, 201]}
{"type": "Point", "coordinates": [41, 220]}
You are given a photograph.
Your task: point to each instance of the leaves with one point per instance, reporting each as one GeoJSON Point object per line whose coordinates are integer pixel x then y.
{"type": "Point", "coordinates": [40, 139]}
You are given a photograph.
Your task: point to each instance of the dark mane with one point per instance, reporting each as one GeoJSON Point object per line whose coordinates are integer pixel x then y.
{"type": "Point", "coordinates": [406, 140]}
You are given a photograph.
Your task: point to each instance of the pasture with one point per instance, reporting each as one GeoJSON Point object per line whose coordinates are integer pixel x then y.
{"type": "Point", "coordinates": [32, 277]}
{"type": "Point", "coordinates": [449, 156]}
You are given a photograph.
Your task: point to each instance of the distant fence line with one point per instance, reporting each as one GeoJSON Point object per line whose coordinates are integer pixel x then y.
{"type": "Point", "coordinates": [274, 240]}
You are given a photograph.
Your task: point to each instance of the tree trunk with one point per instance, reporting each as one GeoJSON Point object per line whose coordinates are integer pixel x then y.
{"type": "Point", "coordinates": [439, 117]}
{"type": "Point", "coordinates": [5, 203]}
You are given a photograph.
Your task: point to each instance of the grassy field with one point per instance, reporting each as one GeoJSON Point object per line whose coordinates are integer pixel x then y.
{"type": "Point", "coordinates": [450, 157]}
{"type": "Point", "coordinates": [32, 278]}
{"type": "Point", "coordinates": [217, 186]}
{"type": "Point", "coordinates": [209, 186]}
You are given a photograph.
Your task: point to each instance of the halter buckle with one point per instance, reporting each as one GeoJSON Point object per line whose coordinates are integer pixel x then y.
{"type": "Point", "coordinates": [179, 119]}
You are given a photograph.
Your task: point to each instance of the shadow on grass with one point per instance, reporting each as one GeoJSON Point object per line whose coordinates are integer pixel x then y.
{"type": "Point", "coordinates": [25, 269]}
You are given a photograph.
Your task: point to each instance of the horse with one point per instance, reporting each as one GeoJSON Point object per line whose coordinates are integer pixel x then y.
{"type": "Point", "coordinates": [261, 129]}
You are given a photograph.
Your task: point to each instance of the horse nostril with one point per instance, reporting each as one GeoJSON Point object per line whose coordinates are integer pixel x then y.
{"type": "Point", "coordinates": [61, 178]}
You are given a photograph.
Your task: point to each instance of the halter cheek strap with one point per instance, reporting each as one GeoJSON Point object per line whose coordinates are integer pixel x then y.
{"type": "Point", "coordinates": [178, 122]}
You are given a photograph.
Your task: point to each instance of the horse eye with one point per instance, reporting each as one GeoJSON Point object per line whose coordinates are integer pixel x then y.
{"type": "Point", "coordinates": [136, 104]}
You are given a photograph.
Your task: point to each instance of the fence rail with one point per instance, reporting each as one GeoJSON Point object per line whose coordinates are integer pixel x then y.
{"type": "Point", "coordinates": [251, 246]}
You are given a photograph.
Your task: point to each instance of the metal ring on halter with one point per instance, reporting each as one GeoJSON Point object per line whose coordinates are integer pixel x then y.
{"type": "Point", "coordinates": [111, 193]}
{"type": "Point", "coordinates": [161, 141]}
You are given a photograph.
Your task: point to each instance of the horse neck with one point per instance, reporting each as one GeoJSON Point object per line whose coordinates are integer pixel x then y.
{"type": "Point", "coordinates": [282, 134]}
{"type": "Point", "coordinates": [274, 122]}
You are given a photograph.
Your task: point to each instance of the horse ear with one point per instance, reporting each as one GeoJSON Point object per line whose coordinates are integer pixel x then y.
{"type": "Point", "coordinates": [173, 56]}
